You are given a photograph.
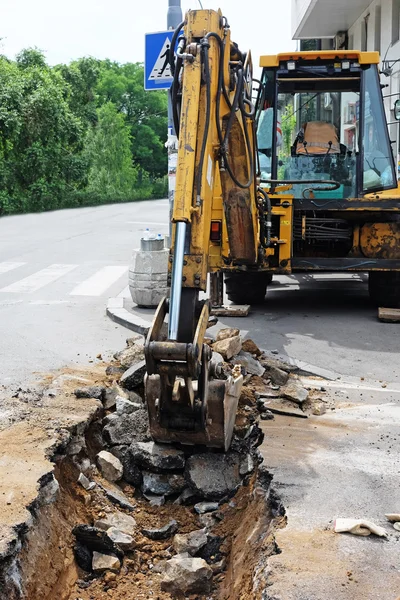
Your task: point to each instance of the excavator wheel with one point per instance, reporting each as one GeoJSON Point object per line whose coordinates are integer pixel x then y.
{"type": "Point", "coordinates": [247, 287]}
{"type": "Point", "coordinates": [384, 288]}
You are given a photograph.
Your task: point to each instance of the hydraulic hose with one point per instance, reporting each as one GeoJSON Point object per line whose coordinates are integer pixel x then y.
{"type": "Point", "coordinates": [265, 237]}
{"type": "Point", "coordinates": [171, 54]}
{"type": "Point", "coordinates": [205, 45]}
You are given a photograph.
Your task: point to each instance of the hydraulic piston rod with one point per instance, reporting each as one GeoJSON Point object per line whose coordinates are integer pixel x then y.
{"type": "Point", "coordinates": [176, 281]}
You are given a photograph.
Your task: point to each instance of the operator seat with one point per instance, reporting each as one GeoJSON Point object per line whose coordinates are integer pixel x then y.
{"type": "Point", "coordinates": [317, 138]}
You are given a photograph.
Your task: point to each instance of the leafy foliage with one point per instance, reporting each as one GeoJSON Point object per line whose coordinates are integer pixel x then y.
{"type": "Point", "coordinates": [77, 134]}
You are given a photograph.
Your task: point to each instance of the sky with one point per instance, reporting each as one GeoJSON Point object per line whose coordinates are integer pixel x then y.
{"type": "Point", "coordinates": [69, 29]}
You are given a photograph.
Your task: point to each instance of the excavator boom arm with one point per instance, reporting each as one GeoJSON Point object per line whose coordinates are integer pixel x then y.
{"type": "Point", "coordinates": [214, 220]}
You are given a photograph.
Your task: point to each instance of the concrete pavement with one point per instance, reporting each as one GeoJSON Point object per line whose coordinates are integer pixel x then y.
{"type": "Point", "coordinates": [343, 464]}
{"type": "Point", "coordinates": [57, 270]}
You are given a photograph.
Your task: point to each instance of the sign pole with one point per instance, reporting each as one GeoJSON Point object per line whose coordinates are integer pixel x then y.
{"type": "Point", "coordinates": [174, 18]}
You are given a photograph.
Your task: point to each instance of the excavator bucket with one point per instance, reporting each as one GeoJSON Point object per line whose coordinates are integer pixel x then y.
{"type": "Point", "coordinates": [188, 401]}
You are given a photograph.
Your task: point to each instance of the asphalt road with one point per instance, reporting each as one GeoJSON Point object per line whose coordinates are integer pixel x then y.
{"type": "Point", "coordinates": [327, 321]}
{"type": "Point", "coordinates": [58, 269]}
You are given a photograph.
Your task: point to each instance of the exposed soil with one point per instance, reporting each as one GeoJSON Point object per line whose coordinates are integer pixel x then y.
{"type": "Point", "coordinates": [48, 420]}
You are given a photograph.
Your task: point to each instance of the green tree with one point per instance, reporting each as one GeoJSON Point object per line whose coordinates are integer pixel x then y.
{"type": "Point", "coordinates": [145, 112]}
{"type": "Point", "coordinates": [41, 140]}
{"type": "Point", "coordinates": [108, 150]}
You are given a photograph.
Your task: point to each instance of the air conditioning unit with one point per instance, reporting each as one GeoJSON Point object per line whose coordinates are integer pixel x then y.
{"type": "Point", "coordinates": [327, 101]}
{"type": "Point", "coordinates": [341, 41]}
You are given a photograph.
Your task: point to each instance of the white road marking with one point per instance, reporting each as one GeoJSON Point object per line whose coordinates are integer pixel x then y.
{"type": "Point", "coordinates": [99, 282]}
{"type": "Point", "coordinates": [9, 266]}
{"type": "Point", "coordinates": [37, 280]}
{"type": "Point", "coordinates": [125, 293]}
{"type": "Point", "coordinates": [348, 385]}
{"type": "Point", "coordinates": [149, 225]}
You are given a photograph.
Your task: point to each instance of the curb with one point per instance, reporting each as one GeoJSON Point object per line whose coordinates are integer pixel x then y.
{"type": "Point", "coordinates": [118, 313]}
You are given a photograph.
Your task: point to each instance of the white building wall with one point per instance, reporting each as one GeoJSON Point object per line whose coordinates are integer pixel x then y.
{"type": "Point", "coordinates": [381, 37]}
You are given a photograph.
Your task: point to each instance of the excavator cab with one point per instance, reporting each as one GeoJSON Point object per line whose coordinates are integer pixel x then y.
{"type": "Point", "coordinates": [329, 117]}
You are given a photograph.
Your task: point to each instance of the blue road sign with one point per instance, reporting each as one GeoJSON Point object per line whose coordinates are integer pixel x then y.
{"type": "Point", "coordinates": [157, 71]}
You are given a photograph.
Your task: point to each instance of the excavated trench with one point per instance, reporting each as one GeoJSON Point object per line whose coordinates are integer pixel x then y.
{"type": "Point", "coordinates": [47, 569]}
{"type": "Point", "coordinates": [51, 562]}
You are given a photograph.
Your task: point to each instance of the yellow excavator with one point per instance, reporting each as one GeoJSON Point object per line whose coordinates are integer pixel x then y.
{"type": "Point", "coordinates": [290, 173]}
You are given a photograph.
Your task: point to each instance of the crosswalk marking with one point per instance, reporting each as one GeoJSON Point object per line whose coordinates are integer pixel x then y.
{"type": "Point", "coordinates": [9, 266]}
{"type": "Point", "coordinates": [99, 282]}
{"type": "Point", "coordinates": [37, 280]}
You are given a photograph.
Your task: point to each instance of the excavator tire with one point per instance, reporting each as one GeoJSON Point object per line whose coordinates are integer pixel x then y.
{"type": "Point", "coordinates": [247, 287]}
{"type": "Point", "coordinates": [384, 288]}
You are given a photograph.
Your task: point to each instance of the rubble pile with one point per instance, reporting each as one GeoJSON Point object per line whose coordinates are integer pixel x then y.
{"type": "Point", "coordinates": [143, 519]}
{"type": "Point", "coordinates": [173, 501]}
{"type": "Point", "coordinates": [183, 493]}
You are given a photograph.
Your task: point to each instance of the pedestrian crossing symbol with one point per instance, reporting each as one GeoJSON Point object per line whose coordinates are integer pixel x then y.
{"type": "Point", "coordinates": [162, 70]}
{"type": "Point", "coordinates": [158, 74]}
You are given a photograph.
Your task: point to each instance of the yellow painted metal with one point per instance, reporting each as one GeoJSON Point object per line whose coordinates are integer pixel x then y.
{"type": "Point", "coordinates": [364, 58]}
{"type": "Point", "coordinates": [380, 240]}
{"type": "Point", "coordinates": [185, 171]}
{"type": "Point", "coordinates": [199, 210]}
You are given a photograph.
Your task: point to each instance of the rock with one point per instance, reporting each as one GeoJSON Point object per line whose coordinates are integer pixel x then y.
{"type": "Point", "coordinates": [114, 371]}
{"type": "Point", "coordinates": [226, 333]}
{"type": "Point", "coordinates": [95, 539]}
{"type": "Point", "coordinates": [94, 391]}
{"type": "Point", "coordinates": [190, 542]}
{"type": "Point", "coordinates": [295, 392]}
{"type": "Point", "coordinates": [119, 498]}
{"type": "Point", "coordinates": [251, 365]}
{"type": "Point", "coordinates": [130, 355]}
{"type": "Point", "coordinates": [124, 523]}
{"type": "Point", "coordinates": [208, 521]}
{"type": "Point", "coordinates": [85, 483]}
{"type": "Point", "coordinates": [132, 474]}
{"type": "Point", "coordinates": [219, 566]}
{"type": "Point", "coordinates": [228, 347]}
{"type": "Point", "coordinates": [186, 576]}
{"type": "Point", "coordinates": [126, 407]}
{"type": "Point", "coordinates": [110, 466]}
{"type": "Point", "coordinates": [161, 533]}
{"type": "Point", "coordinates": [156, 457]}
{"type": "Point", "coordinates": [205, 507]}
{"type": "Point", "coordinates": [124, 430]}
{"type": "Point", "coordinates": [318, 408]}
{"type": "Point", "coordinates": [110, 397]}
{"type": "Point", "coordinates": [112, 393]}
{"type": "Point", "coordinates": [267, 416]}
{"type": "Point", "coordinates": [211, 552]}
{"type": "Point", "coordinates": [188, 496]}
{"type": "Point", "coordinates": [250, 346]}
{"type": "Point", "coordinates": [270, 361]}
{"type": "Point", "coordinates": [121, 539]}
{"type": "Point", "coordinates": [284, 407]}
{"type": "Point", "coordinates": [213, 475]}
{"type": "Point", "coordinates": [162, 485]}
{"type": "Point", "coordinates": [134, 376]}
{"type": "Point", "coordinates": [246, 465]}
{"type": "Point", "coordinates": [105, 562]}
{"type": "Point", "coordinates": [155, 500]}
{"type": "Point", "coordinates": [83, 557]}
{"type": "Point", "coordinates": [278, 376]}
